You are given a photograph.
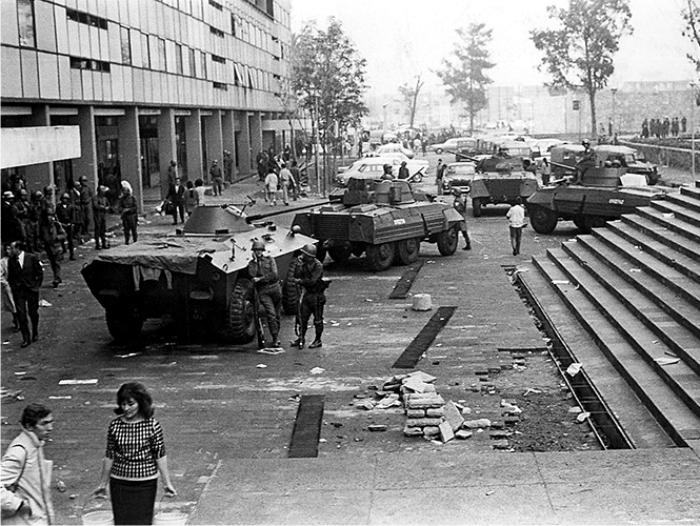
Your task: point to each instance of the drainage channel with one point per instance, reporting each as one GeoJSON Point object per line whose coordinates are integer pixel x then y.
{"type": "Point", "coordinates": [604, 425]}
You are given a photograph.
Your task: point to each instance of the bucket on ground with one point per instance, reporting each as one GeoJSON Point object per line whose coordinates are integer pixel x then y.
{"type": "Point", "coordinates": [98, 518]}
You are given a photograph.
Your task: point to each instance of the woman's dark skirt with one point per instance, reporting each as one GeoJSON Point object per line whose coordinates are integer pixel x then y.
{"type": "Point", "coordinates": [133, 500]}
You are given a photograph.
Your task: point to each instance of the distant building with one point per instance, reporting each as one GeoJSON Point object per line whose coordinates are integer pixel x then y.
{"type": "Point", "coordinates": [118, 89]}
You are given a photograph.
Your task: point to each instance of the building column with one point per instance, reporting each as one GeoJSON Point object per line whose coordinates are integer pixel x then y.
{"type": "Point", "coordinates": [193, 132]}
{"type": "Point", "coordinates": [256, 138]}
{"type": "Point", "coordinates": [130, 152]}
{"type": "Point", "coordinates": [229, 140]}
{"type": "Point", "coordinates": [214, 137]}
{"type": "Point", "coordinates": [86, 164]}
{"type": "Point", "coordinates": [39, 175]}
{"type": "Point", "coordinates": [167, 147]}
{"type": "Point", "coordinates": [244, 148]}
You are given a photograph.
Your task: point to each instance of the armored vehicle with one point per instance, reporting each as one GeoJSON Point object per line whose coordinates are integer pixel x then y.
{"type": "Point", "coordinates": [387, 220]}
{"type": "Point", "coordinates": [500, 180]}
{"type": "Point", "coordinates": [199, 278]}
{"type": "Point", "coordinates": [601, 196]}
{"type": "Point", "coordinates": [629, 158]}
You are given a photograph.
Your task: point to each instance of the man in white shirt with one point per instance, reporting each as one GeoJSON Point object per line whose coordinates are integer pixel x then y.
{"type": "Point", "coordinates": [516, 218]}
{"type": "Point", "coordinates": [286, 182]}
{"type": "Point", "coordinates": [271, 183]}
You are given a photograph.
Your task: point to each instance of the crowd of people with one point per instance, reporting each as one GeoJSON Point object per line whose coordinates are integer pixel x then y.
{"type": "Point", "coordinates": [280, 175]}
{"type": "Point", "coordinates": [662, 128]}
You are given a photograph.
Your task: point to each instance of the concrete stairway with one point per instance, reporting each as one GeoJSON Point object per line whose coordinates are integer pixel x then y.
{"type": "Point", "coordinates": [628, 296]}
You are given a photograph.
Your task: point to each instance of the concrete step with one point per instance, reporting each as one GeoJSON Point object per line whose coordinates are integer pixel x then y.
{"type": "Point", "coordinates": [670, 222]}
{"type": "Point", "coordinates": [679, 210]}
{"type": "Point", "coordinates": [675, 241]}
{"type": "Point", "coordinates": [691, 191]}
{"type": "Point", "coordinates": [685, 199]}
{"type": "Point", "coordinates": [544, 283]}
{"type": "Point", "coordinates": [635, 316]}
{"type": "Point", "coordinates": [674, 275]}
{"type": "Point", "coordinates": [672, 318]}
{"type": "Point", "coordinates": [610, 326]}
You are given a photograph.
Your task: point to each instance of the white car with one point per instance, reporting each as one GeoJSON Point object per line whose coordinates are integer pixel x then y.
{"type": "Point", "coordinates": [373, 168]}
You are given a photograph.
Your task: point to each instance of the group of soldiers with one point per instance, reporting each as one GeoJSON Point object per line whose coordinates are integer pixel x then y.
{"type": "Point", "coordinates": [662, 128]}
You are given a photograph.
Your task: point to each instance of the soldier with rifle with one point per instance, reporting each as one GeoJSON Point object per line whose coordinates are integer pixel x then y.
{"type": "Point", "coordinates": [588, 160]}
{"type": "Point", "coordinates": [262, 269]}
{"type": "Point", "coordinates": [309, 276]}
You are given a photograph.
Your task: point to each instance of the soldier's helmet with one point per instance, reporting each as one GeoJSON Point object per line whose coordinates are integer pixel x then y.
{"type": "Point", "coordinates": [387, 168]}
{"type": "Point", "coordinates": [309, 250]}
{"type": "Point", "coordinates": [456, 191]}
{"type": "Point", "coordinates": [586, 142]}
{"type": "Point", "coordinates": [258, 245]}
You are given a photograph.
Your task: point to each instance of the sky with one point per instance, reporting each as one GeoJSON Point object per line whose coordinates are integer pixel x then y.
{"type": "Point", "coordinates": [401, 39]}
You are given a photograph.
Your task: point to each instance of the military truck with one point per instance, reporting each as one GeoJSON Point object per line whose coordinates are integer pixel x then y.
{"type": "Point", "coordinates": [602, 195]}
{"type": "Point", "coordinates": [386, 220]}
{"type": "Point", "coordinates": [198, 278]}
{"type": "Point", "coordinates": [500, 180]}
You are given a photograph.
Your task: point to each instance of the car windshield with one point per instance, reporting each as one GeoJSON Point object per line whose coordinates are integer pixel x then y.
{"type": "Point", "coordinates": [630, 158]}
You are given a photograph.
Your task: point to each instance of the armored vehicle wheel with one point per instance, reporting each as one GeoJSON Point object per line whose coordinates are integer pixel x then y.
{"type": "Point", "coordinates": [544, 221]}
{"type": "Point", "coordinates": [580, 223]}
{"type": "Point", "coordinates": [241, 313]}
{"type": "Point", "coordinates": [290, 290]}
{"type": "Point", "coordinates": [340, 251]}
{"type": "Point", "coordinates": [380, 257]}
{"type": "Point", "coordinates": [593, 222]}
{"type": "Point", "coordinates": [448, 240]}
{"type": "Point", "coordinates": [476, 207]}
{"type": "Point", "coordinates": [407, 251]}
{"type": "Point", "coordinates": [123, 326]}
{"type": "Point", "coordinates": [417, 178]}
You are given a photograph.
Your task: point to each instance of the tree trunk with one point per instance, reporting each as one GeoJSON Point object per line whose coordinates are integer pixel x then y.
{"type": "Point", "coordinates": [591, 99]}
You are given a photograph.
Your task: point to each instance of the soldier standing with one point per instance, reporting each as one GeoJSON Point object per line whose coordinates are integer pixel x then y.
{"type": "Point", "coordinates": [216, 177]}
{"type": "Point", "coordinates": [263, 271]}
{"type": "Point", "coordinates": [129, 210]}
{"type": "Point", "coordinates": [99, 208]}
{"type": "Point", "coordinates": [439, 173]}
{"type": "Point", "coordinates": [460, 204]}
{"type": "Point", "coordinates": [588, 160]}
{"type": "Point", "coordinates": [86, 195]}
{"type": "Point", "coordinates": [308, 274]}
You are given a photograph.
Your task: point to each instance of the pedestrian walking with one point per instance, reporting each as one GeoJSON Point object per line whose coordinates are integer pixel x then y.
{"type": "Point", "coordinates": [134, 457]}
{"type": "Point", "coordinates": [11, 228]}
{"type": "Point", "coordinates": [216, 177]}
{"type": "Point", "coordinates": [262, 269]}
{"type": "Point", "coordinates": [308, 274]}
{"type": "Point", "coordinates": [516, 218]}
{"type": "Point", "coordinates": [25, 276]}
{"type": "Point", "coordinates": [286, 182]}
{"type": "Point", "coordinates": [546, 171]}
{"type": "Point", "coordinates": [129, 212]}
{"type": "Point", "coordinates": [439, 174]}
{"type": "Point", "coordinates": [176, 196]}
{"type": "Point", "coordinates": [25, 473]}
{"type": "Point", "coordinates": [100, 206]}
{"type": "Point", "coordinates": [271, 185]}
{"type": "Point", "coordinates": [460, 204]}
{"type": "Point", "coordinates": [86, 196]}
{"type": "Point", "coordinates": [8, 300]}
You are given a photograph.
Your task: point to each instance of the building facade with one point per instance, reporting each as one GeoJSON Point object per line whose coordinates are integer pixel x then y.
{"type": "Point", "coordinates": [117, 89]}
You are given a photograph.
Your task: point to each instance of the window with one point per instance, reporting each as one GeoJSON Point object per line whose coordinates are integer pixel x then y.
{"type": "Point", "coordinates": [216, 5]}
{"type": "Point", "coordinates": [203, 58]}
{"type": "Point", "coordinates": [25, 17]}
{"type": "Point", "coordinates": [217, 58]}
{"type": "Point", "coordinates": [126, 45]}
{"type": "Point", "coordinates": [146, 51]}
{"type": "Point", "coordinates": [93, 65]}
{"type": "Point", "coordinates": [233, 25]}
{"type": "Point", "coordinates": [161, 55]}
{"type": "Point", "coordinates": [85, 18]}
{"type": "Point", "coordinates": [221, 86]}
{"type": "Point", "coordinates": [178, 59]}
{"type": "Point", "coordinates": [216, 31]}
{"type": "Point", "coordinates": [193, 63]}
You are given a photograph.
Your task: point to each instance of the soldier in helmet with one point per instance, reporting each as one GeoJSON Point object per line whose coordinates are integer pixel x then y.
{"type": "Point", "coordinates": [587, 160]}
{"type": "Point", "coordinates": [309, 275]}
{"type": "Point", "coordinates": [460, 204]}
{"type": "Point", "coordinates": [262, 269]}
{"type": "Point", "coordinates": [388, 174]}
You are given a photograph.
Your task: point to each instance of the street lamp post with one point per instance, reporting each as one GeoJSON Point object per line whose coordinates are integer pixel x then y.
{"type": "Point", "coordinates": [614, 127]}
{"type": "Point", "coordinates": [693, 103]}
{"type": "Point", "coordinates": [315, 133]}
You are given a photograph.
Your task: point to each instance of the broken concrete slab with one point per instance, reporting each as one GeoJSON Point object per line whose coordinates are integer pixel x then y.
{"type": "Point", "coordinates": [446, 433]}
{"type": "Point", "coordinates": [453, 415]}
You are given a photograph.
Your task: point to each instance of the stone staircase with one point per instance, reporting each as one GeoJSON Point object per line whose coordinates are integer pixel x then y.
{"type": "Point", "coordinates": [624, 301]}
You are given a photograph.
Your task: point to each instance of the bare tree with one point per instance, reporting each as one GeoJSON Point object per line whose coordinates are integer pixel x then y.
{"type": "Point", "coordinates": [578, 54]}
{"type": "Point", "coordinates": [691, 16]}
{"type": "Point", "coordinates": [410, 98]}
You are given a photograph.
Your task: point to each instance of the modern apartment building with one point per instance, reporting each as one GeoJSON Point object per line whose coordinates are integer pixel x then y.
{"type": "Point", "coordinates": [117, 89]}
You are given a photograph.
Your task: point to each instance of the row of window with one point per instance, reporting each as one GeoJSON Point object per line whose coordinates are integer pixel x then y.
{"type": "Point", "coordinates": [86, 18]}
{"type": "Point", "coordinates": [86, 63]}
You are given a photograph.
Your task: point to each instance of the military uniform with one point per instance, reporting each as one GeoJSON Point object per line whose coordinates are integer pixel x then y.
{"type": "Point", "coordinates": [309, 275]}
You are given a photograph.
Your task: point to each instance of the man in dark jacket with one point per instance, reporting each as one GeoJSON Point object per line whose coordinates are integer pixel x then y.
{"type": "Point", "coordinates": [25, 276]}
{"type": "Point", "coordinates": [176, 195]}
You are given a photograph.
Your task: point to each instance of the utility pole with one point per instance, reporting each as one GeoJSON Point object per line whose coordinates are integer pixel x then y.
{"type": "Point", "coordinates": [693, 103]}
{"type": "Point", "coordinates": [615, 127]}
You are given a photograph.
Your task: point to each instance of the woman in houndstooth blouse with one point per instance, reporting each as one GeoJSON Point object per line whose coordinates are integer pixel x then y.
{"type": "Point", "coordinates": [134, 457]}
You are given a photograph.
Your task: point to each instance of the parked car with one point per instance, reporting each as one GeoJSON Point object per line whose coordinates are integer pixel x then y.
{"type": "Point", "coordinates": [373, 168]}
{"type": "Point", "coordinates": [449, 144]}
{"type": "Point", "coordinates": [458, 175]}
{"type": "Point", "coordinates": [394, 148]}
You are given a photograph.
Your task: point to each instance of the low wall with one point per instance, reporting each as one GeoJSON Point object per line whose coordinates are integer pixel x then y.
{"type": "Point", "coordinates": [666, 155]}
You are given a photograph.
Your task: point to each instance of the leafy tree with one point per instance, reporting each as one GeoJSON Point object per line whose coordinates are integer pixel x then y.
{"type": "Point", "coordinates": [578, 53]}
{"type": "Point", "coordinates": [691, 16]}
{"type": "Point", "coordinates": [466, 79]}
{"type": "Point", "coordinates": [328, 73]}
{"type": "Point", "coordinates": [410, 97]}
